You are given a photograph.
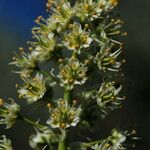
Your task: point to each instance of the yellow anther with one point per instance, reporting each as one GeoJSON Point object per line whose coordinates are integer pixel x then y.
{"type": "Point", "coordinates": [123, 61]}
{"type": "Point", "coordinates": [87, 61]}
{"type": "Point", "coordinates": [20, 95]}
{"type": "Point", "coordinates": [107, 145]}
{"type": "Point", "coordinates": [14, 58]}
{"type": "Point", "coordinates": [112, 20]}
{"type": "Point", "coordinates": [114, 2]}
{"type": "Point", "coordinates": [86, 25]}
{"type": "Point", "coordinates": [1, 101]}
{"type": "Point", "coordinates": [48, 5]}
{"type": "Point", "coordinates": [62, 125]}
{"type": "Point", "coordinates": [62, 71]}
{"type": "Point", "coordinates": [21, 49]}
{"type": "Point", "coordinates": [112, 61]}
{"type": "Point", "coordinates": [133, 132]}
{"type": "Point", "coordinates": [37, 21]}
{"type": "Point", "coordinates": [107, 85]}
{"type": "Point", "coordinates": [53, 115]}
{"type": "Point", "coordinates": [30, 88]}
{"type": "Point", "coordinates": [49, 105]}
{"type": "Point", "coordinates": [58, 8]}
{"type": "Point", "coordinates": [60, 60]}
{"type": "Point", "coordinates": [71, 80]}
{"type": "Point", "coordinates": [16, 85]}
{"type": "Point", "coordinates": [77, 45]}
{"type": "Point", "coordinates": [113, 82]}
{"type": "Point", "coordinates": [101, 5]}
{"type": "Point", "coordinates": [30, 48]}
{"type": "Point", "coordinates": [112, 97]}
{"type": "Point", "coordinates": [74, 102]}
{"type": "Point", "coordinates": [86, 6]}
{"type": "Point", "coordinates": [39, 17]}
{"type": "Point", "coordinates": [62, 102]}
{"type": "Point", "coordinates": [125, 33]}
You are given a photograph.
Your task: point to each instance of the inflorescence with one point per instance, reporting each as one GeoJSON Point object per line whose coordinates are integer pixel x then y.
{"type": "Point", "coordinates": [75, 37]}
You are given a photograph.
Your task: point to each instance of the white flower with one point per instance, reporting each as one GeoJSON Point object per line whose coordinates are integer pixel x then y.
{"type": "Point", "coordinates": [64, 115]}
{"type": "Point", "coordinates": [72, 73]}
{"type": "Point", "coordinates": [113, 142]}
{"type": "Point", "coordinates": [34, 88]}
{"type": "Point", "coordinates": [90, 9]}
{"type": "Point", "coordinates": [108, 96]}
{"type": "Point", "coordinates": [117, 139]}
{"type": "Point", "coordinates": [77, 38]}
{"type": "Point", "coordinates": [107, 60]}
{"type": "Point", "coordinates": [43, 137]}
{"type": "Point", "coordinates": [5, 144]}
{"type": "Point", "coordinates": [43, 47]}
{"type": "Point", "coordinates": [25, 62]}
{"type": "Point", "coordinates": [63, 13]}
{"type": "Point", "coordinates": [8, 113]}
{"type": "Point", "coordinates": [107, 5]}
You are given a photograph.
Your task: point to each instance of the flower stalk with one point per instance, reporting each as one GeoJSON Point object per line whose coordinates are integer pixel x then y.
{"type": "Point", "coordinates": [63, 145]}
{"type": "Point", "coordinates": [68, 96]}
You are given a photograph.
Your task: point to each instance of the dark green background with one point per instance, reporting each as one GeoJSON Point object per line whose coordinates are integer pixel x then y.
{"type": "Point", "coordinates": [16, 20]}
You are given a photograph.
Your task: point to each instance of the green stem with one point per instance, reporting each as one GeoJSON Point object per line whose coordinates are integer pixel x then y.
{"type": "Point", "coordinates": [75, 54]}
{"type": "Point", "coordinates": [33, 123]}
{"type": "Point", "coordinates": [68, 96]}
{"type": "Point", "coordinates": [63, 145]}
{"type": "Point", "coordinates": [92, 143]}
{"type": "Point", "coordinates": [49, 75]}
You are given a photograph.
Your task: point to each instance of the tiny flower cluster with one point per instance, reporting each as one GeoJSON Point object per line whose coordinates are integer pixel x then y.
{"type": "Point", "coordinates": [108, 96]}
{"type": "Point", "coordinates": [25, 62]}
{"type": "Point", "coordinates": [64, 115]}
{"type": "Point", "coordinates": [108, 4]}
{"type": "Point", "coordinates": [43, 47]}
{"type": "Point", "coordinates": [113, 142]}
{"type": "Point", "coordinates": [72, 73]}
{"type": "Point", "coordinates": [107, 60]}
{"type": "Point", "coordinates": [63, 12]}
{"type": "Point", "coordinates": [34, 88]}
{"type": "Point", "coordinates": [8, 113]}
{"type": "Point", "coordinates": [77, 38]}
{"type": "Point", "coordinates": [92, 9]}
{"type": "Point", "coordinates": [61, 15]}
{"type": "Point", "coordinates": [43, 137]}
{"type": "Point", "coordinates": [5, 144]}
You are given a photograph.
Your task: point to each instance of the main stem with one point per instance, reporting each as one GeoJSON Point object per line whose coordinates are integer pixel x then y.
{"type": "Point", "coordinates": [63, 145]}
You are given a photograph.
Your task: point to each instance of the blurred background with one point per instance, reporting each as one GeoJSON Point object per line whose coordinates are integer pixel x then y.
{"type": "Point", "coordinates": [17, 19]}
